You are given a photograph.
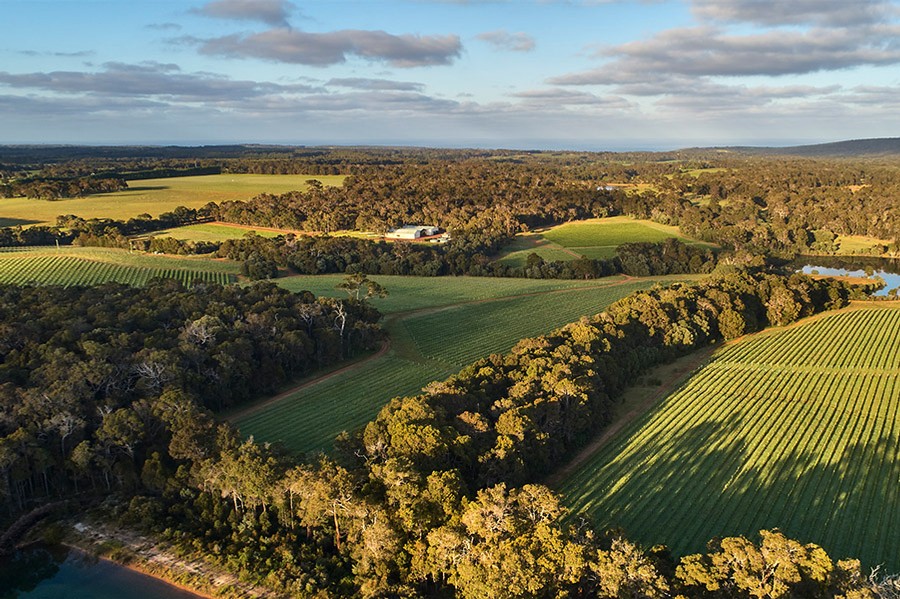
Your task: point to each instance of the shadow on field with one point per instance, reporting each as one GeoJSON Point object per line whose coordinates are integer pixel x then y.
{"type": "Point", "coordinates": [709, 481]}
{"type": "Point", "coordinates": [16, 222]}
{"type": "Point", "coordinates": [147, 188]}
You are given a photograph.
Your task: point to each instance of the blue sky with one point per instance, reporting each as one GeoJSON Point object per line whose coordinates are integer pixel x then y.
{"type": "Point", "coordinates": [581, 74]}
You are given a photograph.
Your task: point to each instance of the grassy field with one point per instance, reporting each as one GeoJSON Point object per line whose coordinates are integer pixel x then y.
{"type": "Point", "coordinates": [155, 196]}
{"type": "Point", "coordinates": [794, 428]}
{"type": "Point", "coordinates": [417, 293]}
{"type": "Point", "coordinates": [594, 238]}
{"type": "Point", "coordinates": [858, 244]}
{"type": "Point", "coordinates": [428, 344]}
{"type": "Point", "coordinates": [90, 266]}
{"type": "Point", "coordinates": [222, 231]}
{"type": "Point", "coordinates": [212, 232]}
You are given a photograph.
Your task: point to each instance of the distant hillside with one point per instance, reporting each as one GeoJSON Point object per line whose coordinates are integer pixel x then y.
{"type": "Point", "coordinates": [884, 146]}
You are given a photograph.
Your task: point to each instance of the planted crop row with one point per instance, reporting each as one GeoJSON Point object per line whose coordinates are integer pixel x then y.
{"type": "Point", "coordinates": [70, 270]}
{"type": "Point", "coordinates": [767, 435]}
{"type": "Point", "coordinates": [310, 420]}
{"type": "Point", "coordinates": [426, 347]}
{"type": "Point", "coordinates": [463, 334]}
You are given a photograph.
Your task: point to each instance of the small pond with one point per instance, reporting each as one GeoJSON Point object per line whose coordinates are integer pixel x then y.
{"type": "Point", "coordinates": [892, 279]}
{"type": "Point", "coordinates": [54, 572]}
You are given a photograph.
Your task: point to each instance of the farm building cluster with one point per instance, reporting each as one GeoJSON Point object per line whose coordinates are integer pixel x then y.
{"type": "Point", "coordinates": [417, 232]}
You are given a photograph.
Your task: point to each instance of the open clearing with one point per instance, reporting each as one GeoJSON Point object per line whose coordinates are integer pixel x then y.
{"type": "Point", "coordinates": [793, 428]}
{"type": "Point", "coordinates": [859, 244]}
{"type": "Point", "coordinates": [428, 344]}
{"type": "Point", "coordinates": [212, 232]}
{"type": "Point", "coordinates": [416, 293]}
{"type": "Point", "coordinates": [91, 266]}
{"type": "Point", "coordinates": [220, 231]}
{"type": "Point", "coordinates": [593, 238]}
{"type": "Point", "coordinates": [155, 196]}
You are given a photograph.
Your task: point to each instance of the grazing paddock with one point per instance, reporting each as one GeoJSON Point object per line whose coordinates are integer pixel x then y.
{"type": "Point", "coordinates": [155, 196]}
{"type": "Point", "coordinates": [211, 232]}
{"type": "Point", "coordinates": [595, 238]}
{"type": "Point", "coordinates": [794, 428]}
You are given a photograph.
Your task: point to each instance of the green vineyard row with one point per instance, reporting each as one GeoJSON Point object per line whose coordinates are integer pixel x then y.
{"type": "Point", "coordinates": [795, 429]}
{"type": "Point", "coordinates": [71, 270]}
{"type": "Point", "coordinates": [425, 347]}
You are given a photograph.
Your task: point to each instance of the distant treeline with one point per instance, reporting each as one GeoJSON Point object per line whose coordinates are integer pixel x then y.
{"type": "Point", "coordinates": [751, 206]}
{"type": "Point", "coordinates": [55, 189]}
{"type": "Point", "coordinates": [104, 232]}
{"type": "Point", "coordinates": [461, 256]}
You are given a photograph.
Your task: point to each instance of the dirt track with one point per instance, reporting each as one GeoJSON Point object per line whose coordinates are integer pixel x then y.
{"type": "Point", "coordinates": [682, 369]}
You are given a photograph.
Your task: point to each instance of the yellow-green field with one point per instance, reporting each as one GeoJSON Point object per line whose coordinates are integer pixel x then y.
{"type": "Point", "coordinates": [593, 238]}
{"type": "Point", "coordinates": [858, 244]}
{"type": "Point", "coordinates": [90, 266]}
{"type": "Point", "coordinates": [213, 232]}
{"type": "Point", "coordinates": [796, 428]}
{"type": "Point", "coordinates": [223, 231]}
{"type": "Point", "coordinates": [155, 196]}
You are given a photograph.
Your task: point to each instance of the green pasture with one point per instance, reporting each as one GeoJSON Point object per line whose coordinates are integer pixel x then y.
{"type": "Point", "coordinates": [595, 238]}
{"type": "Point", "coordinates": [428, 344]}
{"type": "Point", "coordinates": [417, 293]}
{"type": "Point", "coordinates": [155, 196]}
{"type": "Point", "coordinates": [858, 244]}
{"type": "Point", "coordinates": [795, 428]}
{"type": "Point", "coordinates": [91, 266]}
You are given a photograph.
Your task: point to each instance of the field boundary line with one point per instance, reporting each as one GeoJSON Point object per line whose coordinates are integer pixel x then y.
{"type": "Point", "coordinates": [698, 359]}
{"type": "Point", "coordinates": [394, 320]}
{"type": "Point", "coordinates": [320, 378]}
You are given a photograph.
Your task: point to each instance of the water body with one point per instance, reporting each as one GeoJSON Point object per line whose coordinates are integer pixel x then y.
{"type": "Point", "coordinates": [51, 572]}
{"type": "Point", "coordinates": [892, 279]}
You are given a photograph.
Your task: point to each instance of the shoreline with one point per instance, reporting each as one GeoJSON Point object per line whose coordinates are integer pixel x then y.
{"type": "Point", "coordinates": [149, 557]}
{"type": "Point", "coordinates": [140, 569]}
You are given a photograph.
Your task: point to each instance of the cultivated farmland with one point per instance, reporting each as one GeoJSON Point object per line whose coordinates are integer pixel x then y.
{"type": "Point", "coordinates": [427, 344]}
{"type": "Point", "coordinates": [90, 266]}
{"type": "Point", "coordinates": [794, 428]}
{"type": "Point", "coordinates": [155, 196]}
{"type": "Point", "coordinates": [594, 238]}
{"type": "Point", "coordinates": [408, 293]}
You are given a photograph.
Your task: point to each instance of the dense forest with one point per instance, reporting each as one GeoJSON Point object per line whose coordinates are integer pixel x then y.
{"type": "Point", "coordinates": [92, 376]}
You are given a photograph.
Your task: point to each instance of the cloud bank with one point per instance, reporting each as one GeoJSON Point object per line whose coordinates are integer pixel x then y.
{"type": "Point", "coordinates": [270, 12]}
{"type": "Point", "coordinates": [325, 49]}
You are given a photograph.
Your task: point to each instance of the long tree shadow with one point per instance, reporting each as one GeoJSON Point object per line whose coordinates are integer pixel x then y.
{"type": "Point", "coordinates": [699, 483]}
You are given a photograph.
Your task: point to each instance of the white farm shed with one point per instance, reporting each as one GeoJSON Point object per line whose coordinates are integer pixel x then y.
{"type": "Point", "coordinates": [412, 232]}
